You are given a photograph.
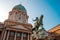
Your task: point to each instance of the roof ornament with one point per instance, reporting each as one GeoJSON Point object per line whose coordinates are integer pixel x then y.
{"type": "Point", "coordinates": [20, 2]}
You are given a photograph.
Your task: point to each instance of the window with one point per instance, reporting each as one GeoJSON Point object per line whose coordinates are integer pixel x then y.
{"type": "Point", "coordinates": [11, 38]}
{"type": "Point", "coordinates": [18, 36]}
{"type": "Point", "coordinates": [11, 35]}
{"type": "Point", "coordinates": [0, 34]}
{"type": "Point", "coordinates": [24, 21]}
{"type": "Point", "coordinates": [19, 18]}
{"type": "Point", "coordinates": [19, 14]}
{"type": "Point", "coordinates": [25, 36]}
{"type": "Point", "coordinates": [54, 39]}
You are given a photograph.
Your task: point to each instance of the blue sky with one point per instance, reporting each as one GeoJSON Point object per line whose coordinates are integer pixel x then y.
{"type": "Point", "coordinates": [49, 8]}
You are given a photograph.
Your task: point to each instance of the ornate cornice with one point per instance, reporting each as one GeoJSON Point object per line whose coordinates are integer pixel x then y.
{"type": "Point", "coordinates": [9, 23]}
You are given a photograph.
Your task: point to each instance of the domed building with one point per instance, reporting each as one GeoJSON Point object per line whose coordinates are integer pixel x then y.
{"type": "Point", "coordinates": [16, 27]}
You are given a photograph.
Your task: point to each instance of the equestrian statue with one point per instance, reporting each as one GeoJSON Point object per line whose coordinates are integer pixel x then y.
{"type": "Point", "coordinates": [39, 21]}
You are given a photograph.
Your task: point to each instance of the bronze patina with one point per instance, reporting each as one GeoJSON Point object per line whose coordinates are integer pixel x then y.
{"type": "Point", "coordinates": [38, 22]}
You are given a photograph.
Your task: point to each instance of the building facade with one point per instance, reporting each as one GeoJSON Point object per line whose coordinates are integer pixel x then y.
{"type": "Point", "coordinates": [16, 27]}
{"type": "Point", "coordinates": [54, 33]}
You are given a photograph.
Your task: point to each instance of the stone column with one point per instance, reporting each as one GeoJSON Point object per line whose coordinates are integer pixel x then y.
{"type": "Point", "coordinates": [22, 36]}
{"type": "Point", "coordinates": [15, 36]}
{"type": "Point", "coordinates": [4, 36]}
{"type": "Point", "coordinates": [7, 35]}
{"type": "Point", "coordinates": [28, 37]}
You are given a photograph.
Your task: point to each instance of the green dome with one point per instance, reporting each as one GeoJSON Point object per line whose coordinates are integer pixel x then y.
{"type": "Point", "coordinates": [20, 7]}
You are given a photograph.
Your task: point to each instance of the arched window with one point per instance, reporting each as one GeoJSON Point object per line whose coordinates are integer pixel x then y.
{"type": "Point", "coordinates": [55, 39]}
{"type": "Point", "coordinates": [25, 36]}
{"type": "Point", "coordinates": [20, 16]}
{"type": "Point", "coordinates": [11, 35]}
{"type": "Point", "coordinates": [18, 36]}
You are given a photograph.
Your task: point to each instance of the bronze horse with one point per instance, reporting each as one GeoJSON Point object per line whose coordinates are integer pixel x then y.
{"type": "Point", "coordinates": [38, 23]}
